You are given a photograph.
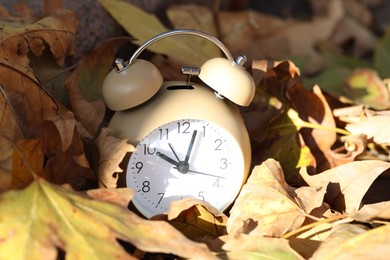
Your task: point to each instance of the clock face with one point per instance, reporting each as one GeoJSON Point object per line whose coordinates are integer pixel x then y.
{"type": "Point", "coordinates": [181, 159]}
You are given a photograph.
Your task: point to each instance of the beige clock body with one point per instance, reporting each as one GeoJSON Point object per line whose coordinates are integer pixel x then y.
{"type": "Point", "coordinates": [174, 102]}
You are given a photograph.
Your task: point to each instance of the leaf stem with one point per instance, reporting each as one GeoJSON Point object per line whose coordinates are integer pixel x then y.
{"type": "Point", "coordinates": [311, 225]}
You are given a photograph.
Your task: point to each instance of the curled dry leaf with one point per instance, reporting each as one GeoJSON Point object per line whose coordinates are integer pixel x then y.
{"type": "Point", "coordinates": [348, 183]}
{"type": "Point", "coordinates": [264, 206]}
{"type": "Point", "coordinates": [197, 219]}
{"type": "Point", "coordinates": [348, 241]}
{"type": "Point", "coordinates": [67, 162]}
{"type": "Point", "coordinates": [44, 217]}
{"type": "Point", "coordinates": [112, 150]}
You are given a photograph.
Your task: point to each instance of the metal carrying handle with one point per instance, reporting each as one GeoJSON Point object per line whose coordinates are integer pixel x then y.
{"type": "Point", "coordinates": [120, 64]}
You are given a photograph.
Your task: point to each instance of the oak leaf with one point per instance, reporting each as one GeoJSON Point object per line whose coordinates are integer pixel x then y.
{"type": "Point", "coordinates": [43, 218]}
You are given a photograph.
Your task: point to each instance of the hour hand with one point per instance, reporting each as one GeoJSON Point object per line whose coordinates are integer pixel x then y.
{"type": "Point", "coordinates": [168, 159]}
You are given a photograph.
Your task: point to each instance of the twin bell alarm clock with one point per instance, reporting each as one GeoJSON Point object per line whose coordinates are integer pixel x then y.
{"type": "Point", "coordinates": [190, 138]}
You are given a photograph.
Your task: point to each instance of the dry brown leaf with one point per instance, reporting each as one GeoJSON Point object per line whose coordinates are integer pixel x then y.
{"type": "Point", "coordinates": [197, 219]}
{"type": "Point", "coordinates": [112, 150]}
{"type": "Point", "coordinates": [376, 211]}
{"type": "Point", "coordinates": [89, 114]}
{"type": "Point", "coordinates": [273, 79]}
{"type": "Point", "coordinates": [282, 38]}
{"type": "Point", "coordinates": [24, 101]}
{"type": "Point", "coordinates": [355, 242]}
{"type": "Point", "coordinates": [375, 127]}
{"type": "Point", "coordinates": [307, 242]}
{"type": "Point", "coordinates": [347, 183]}
{"type": "Point", "coordinates": [264, 206]}
{"type": "Point", "coordinates": [257, 247]}
{"type": "Point", "coordinates": [66, 162]}
{"type": "Point", "coordinates": [27, 162]}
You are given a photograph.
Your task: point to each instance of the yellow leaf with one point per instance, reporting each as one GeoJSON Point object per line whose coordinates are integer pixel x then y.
{"type": "Point", "coordinates": [355, 242]}
{"type": "Point", "coordinates": [37, 221]}
{"type": "Point", "coordinates": [143, 26]}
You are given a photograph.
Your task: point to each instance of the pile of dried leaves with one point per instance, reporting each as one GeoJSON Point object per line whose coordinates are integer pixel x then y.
{"type": "Point", "coordinates": [319, 186]}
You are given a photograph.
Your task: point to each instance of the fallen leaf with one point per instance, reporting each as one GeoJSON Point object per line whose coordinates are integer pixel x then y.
{"type": "Point", "coordinates": [197, 219]}
{"type": "Point", "coordinates": [257, 247]}
{"type": "Point", "coordinates": [307, 242]}
{"type": "Point", "coordinates": [196, 17]}
{"type": "Point", "coordinates": [285, 144]}
{"type": "Point", "coordinates": [272, 80]}
{"type": "Point", "coordinates": [25, 103]}
{"type": "Point", "coordinates": [375, 127]}
{"type": "Point", "coordinates": [148, 26]}
{"type": "Point", "coordinates": [312, 107]}
{"type": "Point", "coordinates": [382, 55]}
{"type": "Point", "coordinates": [348, 183]}
{"type": "Point", "coordinates": [67, 162]}
{"type": "Point", "coordinates": [43, 218]}
{"type": "Point", "coordinates": [355, 242]}
{"type": "Point", "coordinates": [364, 86]}
{"type": "Point", "coordinates": [376, 211]}
{"type": "Point", "coordinates": [112, 150]}
{"type": "Point", "coordinates": [119, 196]}
{"type": "Point", "coordinates": [27, 162]}
{"type": "Point", "coordinates": [284, 38]}
{"type": "Point", "coordinates": [264, 206]}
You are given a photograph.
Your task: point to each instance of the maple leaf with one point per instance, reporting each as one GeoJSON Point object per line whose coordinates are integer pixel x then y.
{"type": "Point", "coordinates": [37, 221]}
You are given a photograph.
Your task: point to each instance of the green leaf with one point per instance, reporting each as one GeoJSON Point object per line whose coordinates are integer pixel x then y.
{"type": "Point", "coordinates": [382, 55]}
{"type": "Point", "coordinates": [144, 26]}
{"type": "Point", "coordinates": [37, 221]}
{"type": "Point", "coordinates": [338, 67]}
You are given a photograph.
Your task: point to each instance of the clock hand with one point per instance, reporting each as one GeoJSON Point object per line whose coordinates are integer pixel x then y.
{"type": "Point", "coordinates": [207, 174]}
{"type": "Point", "coordinates": [168, 159]}
{"type": "Point", "coordinates": [190, 147]}
{"type": "Point", "coordinates": [173, 151]}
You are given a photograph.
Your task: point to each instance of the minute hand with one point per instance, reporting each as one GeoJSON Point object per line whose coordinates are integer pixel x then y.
{"type": "Point", "coordinates": [207, 174]}
{"type": "Point", "coordinates": [190, 147]}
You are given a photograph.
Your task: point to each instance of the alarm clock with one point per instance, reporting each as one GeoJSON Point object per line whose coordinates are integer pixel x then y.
{"type": "Point", "coordinates": [191, 141]}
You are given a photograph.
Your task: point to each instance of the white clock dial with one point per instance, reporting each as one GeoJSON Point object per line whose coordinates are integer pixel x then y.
{"type": "Point", "coordinates": [185, 158]}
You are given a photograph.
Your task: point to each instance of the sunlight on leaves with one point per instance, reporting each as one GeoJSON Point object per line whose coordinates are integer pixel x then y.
{"type": "Point", "coordinates": [37, 221]}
